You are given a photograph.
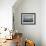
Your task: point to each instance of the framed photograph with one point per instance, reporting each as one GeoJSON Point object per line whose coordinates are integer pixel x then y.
{"type": "Point", "coordinates": [28, 18]}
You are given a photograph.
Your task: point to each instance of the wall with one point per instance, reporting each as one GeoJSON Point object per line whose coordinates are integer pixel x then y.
{"type": "Point", "coordinates": [43, 22]}
{"type": "Point", "coordinates": [6, 13]}
{"type": "Point", "coordinates": [29, 31]}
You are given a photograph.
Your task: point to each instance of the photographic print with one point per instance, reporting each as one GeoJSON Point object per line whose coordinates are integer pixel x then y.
{"type": "Point", "coordinates": [28, 18]}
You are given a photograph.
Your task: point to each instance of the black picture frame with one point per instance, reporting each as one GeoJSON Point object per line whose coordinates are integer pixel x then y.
{"type": "Point", "coordinates": [28, 18]}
